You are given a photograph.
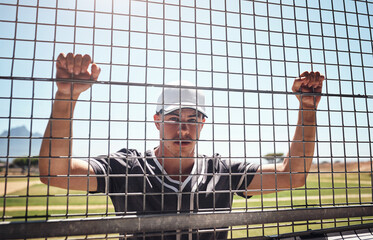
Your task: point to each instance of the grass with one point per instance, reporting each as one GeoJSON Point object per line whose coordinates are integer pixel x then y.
{"type": "Point", "coordinates": [320, 190]}
{"type": "Point", "coordinates": [317, 192]}
{"type": "Point", "coordinates": [344, 189]}
{"type": "Point", "coordinates": [39, 195]}
{"type": "Point", "coordinates": [274, 229]}
{"type": "Point", "coordinates": [17, 179]}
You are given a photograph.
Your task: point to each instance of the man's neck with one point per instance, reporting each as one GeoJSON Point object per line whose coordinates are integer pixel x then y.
{"type": "Point", "coordinates": [175, 166]}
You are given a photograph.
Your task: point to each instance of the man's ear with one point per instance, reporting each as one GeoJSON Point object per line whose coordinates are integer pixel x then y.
{"type": "Point", "coordinates": [157, 121]}
{"type": "Point", "coordinates": [203, 122]}
{"type": "Point", "coordinates": [200, 125]}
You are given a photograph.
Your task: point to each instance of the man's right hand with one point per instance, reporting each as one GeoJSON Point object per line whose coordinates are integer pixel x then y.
{"type": "Point", "coordinates": [72, 66]}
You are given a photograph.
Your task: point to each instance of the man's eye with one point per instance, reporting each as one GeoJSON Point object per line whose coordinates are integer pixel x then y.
{"type": "Point", "coordinates": [173, 120]}
{"type": "Point", "coordinates": [193, 120]}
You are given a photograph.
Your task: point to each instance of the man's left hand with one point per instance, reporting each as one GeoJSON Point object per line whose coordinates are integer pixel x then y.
{"type": "Point", "coordinates": [308, 82]}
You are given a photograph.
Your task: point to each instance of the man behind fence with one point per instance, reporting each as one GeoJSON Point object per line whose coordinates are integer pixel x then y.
{"type": "Point", "coordinates": [170, 178]}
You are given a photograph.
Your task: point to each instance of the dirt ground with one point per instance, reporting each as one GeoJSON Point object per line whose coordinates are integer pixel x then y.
{"type": "Point", "coordinates": [15, 186]}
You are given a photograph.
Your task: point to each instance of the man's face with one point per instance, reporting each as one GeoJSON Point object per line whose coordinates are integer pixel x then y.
{"type": "Point", "coordinates": [179, 132]}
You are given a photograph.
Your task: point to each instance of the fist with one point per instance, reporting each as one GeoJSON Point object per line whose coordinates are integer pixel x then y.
{"type": "Point", "coordinates": [308, 82]}
{"type": "Point", "coordinates": [72, 66]}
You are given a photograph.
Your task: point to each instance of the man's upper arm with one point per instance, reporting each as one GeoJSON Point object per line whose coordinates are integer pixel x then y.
{"type": "Point", "coordinates": [94, 173]}
{"type": "Point", "coordinates": [268, 178]}
{"type": "Point", "coordinates": [78, 176]}
{"type": "Point", "coordinates": [87, 182]}
{"type": "Point", "coordinates": [243, 174]}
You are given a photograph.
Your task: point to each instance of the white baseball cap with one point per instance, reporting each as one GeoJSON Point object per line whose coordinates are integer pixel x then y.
{"type": "Point", "coordinates": [170, 100]}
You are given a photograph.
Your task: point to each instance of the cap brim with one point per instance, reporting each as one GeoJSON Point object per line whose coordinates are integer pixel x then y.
{"type": "Point", "coordinates": [172, 108]}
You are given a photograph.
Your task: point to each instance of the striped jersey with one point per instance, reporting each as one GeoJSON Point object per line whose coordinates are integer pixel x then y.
{"type": "Point", "coordinates": [138, 184]}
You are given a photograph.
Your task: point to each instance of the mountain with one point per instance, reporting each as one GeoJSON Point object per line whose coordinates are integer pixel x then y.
{"type": "Point", "coordinates": [19, 143]}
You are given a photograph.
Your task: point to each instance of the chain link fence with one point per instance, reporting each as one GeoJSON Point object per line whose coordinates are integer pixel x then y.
{"type": "Point", "coordinates": [242, 57]}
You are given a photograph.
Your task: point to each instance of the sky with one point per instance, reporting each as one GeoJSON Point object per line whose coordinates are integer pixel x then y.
{"type": "Point", "coordinates": [243, 54]}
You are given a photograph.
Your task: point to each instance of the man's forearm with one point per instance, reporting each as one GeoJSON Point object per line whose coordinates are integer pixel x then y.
{"type": "Point", "coordinates": [57, 143]}
{"type": "Point", "coordinates": [303, 144]}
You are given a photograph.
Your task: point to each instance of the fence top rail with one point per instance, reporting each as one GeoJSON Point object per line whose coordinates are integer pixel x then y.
{"type": "Point", "coordinates": [170, 222]}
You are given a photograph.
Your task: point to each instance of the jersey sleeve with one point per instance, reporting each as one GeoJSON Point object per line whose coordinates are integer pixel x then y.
{"type": "Point", "coordinates": [242, 175]}
{"type": "Point", "coordinates": [111, 170]}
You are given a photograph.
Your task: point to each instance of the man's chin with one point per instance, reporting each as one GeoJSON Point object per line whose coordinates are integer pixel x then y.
{"type": "Point", "coordinates": [183, 150]}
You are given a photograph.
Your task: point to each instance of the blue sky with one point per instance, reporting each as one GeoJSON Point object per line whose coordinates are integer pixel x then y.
{"type": "Point", "coordinates": [249, 48]}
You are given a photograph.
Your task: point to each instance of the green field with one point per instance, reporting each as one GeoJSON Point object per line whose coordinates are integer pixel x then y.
{"type": "Point", "coordinates": [42, 203]}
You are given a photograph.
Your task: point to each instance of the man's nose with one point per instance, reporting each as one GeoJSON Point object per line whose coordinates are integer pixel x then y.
{"type": "Point", "coordinates": [183, 127]}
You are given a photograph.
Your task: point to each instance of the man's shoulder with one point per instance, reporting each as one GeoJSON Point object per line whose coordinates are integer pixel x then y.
{"type": "Point", "coordinates": [221, 164]}
{"type": "Point", "coordinates": [128, 152]}
{"type": "Point", "coordinates": [122, 152]}
{"type": "Point", "coordinates": [124, 156]}
{"type": "Point", "coordinates": [215, 162]}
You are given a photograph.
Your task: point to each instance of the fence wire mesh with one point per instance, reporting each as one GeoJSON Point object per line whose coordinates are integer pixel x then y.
{"type": "Point", "coordinates": [240, 60]}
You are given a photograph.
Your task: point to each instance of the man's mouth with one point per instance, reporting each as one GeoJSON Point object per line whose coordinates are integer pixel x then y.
{"type": "Point", "coordinates": [183, 142]}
